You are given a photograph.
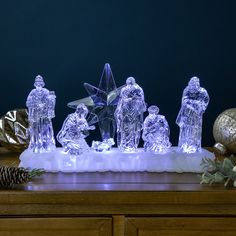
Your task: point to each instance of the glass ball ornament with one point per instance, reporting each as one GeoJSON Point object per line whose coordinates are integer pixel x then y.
{"type": "Point", "coordinates": [224, 131]}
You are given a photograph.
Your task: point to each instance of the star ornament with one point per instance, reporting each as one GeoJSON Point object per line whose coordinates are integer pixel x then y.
{"type": "Point", "coordinates": [102, 102]}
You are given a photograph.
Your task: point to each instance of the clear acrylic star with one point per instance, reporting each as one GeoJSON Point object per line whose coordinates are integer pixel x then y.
{"type": "Point", "coordinates": [102, 102]}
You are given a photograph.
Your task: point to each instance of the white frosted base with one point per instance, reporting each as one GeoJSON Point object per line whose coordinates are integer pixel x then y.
{"type": "Point", "coordinates": [115, 161]}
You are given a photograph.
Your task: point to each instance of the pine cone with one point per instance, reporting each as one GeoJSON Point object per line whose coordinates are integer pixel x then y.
{"type": "Point", "coordinates": [10, 175]}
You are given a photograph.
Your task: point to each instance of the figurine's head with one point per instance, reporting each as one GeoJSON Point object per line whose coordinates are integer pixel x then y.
{"type": "Point", "coordinates": [39, 82]}
{"type": "Point", "coordinates": [153, 110]}
{"type": "Point", "coordinates": [130, 81]}
{"type": "Point", "coordinates": [82, 110]}
{"type": "Point", "coordinates": [194, 83]}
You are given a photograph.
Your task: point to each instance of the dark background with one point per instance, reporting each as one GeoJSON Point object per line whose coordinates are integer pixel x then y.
{"type": "Point", "coordinates": [160, 43]}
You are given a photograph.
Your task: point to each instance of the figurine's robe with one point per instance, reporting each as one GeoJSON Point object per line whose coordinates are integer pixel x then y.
{"type": "Point", "coordinates": [41, 129]}
{"type": "Point", "coordinates": [156, 133]}
{"type": "Point", "coordinates": [129, 117]}
{"type": "Point", "coordinates": [73, 133]}
{"type": "Point", "coordinates": [189, 118]}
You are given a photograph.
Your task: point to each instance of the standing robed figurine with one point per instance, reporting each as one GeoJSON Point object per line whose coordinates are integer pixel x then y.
{"type": "Point", "coordinates": [129, 115]}
{"type": "Point", "coordinates": [41, 105]}
{"type": "Point", "coordinates": [194, 103]}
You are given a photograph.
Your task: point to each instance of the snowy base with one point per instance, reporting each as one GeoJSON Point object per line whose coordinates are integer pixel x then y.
{"type": "Point", "coordinates": [115, 160]}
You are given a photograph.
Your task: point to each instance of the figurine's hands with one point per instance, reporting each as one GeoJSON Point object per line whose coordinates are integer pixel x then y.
{"type": "Point", "coordinates": [92, 127]}
{"type": "Point", "coordinates": [117, 129]}
{"type": "Point", "coordinates": [40, 105]}
{"type": "Point", "coordinates": [118, 122]}
{"type": "Point", "coordinates": [191, 107]}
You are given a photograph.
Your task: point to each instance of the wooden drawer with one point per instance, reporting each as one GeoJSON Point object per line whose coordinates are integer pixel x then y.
{"type": "Point", "coordinates": [184, 226]}
{"type": "Point", "coordinates": [81, 226]}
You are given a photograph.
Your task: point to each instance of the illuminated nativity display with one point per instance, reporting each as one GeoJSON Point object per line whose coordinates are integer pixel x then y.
{"type": "Point", "coordinates": [119, 114]}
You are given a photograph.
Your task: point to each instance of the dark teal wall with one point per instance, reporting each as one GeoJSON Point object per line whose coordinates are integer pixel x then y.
{"type": "Point", "coordinates": [161, 43]}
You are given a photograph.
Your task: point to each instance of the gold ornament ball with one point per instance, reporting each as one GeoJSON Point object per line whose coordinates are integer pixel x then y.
{"type": "Point", "coordinates": [224, 131]}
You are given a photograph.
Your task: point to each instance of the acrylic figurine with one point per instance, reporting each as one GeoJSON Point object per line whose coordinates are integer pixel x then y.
{"type": "Point", "coordinates": [74, 131]}
{"type": "Point", "coordinates": [129, 115]}
{"type": "Point", "coordinates": [156, 132]}
{"type": "Point", "coordinates": [194, 103]}
{"type": "Point", "coordinates": [41, 104]}
{"type": "Point", "coordinates": [103, 146]}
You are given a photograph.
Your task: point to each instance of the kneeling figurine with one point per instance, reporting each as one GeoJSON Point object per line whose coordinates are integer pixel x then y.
{"type": "Point", "coordinates": [74, 131]}
{"type": "Point", "coordinates": [156, 132]}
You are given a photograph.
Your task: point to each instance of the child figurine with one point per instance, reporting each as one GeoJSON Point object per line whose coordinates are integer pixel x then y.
{"type": "Point", "coordinates": [156, 132]}
{"type": "Point", "coordinates": [74, 131]}
{"type": "Point", "coordinates": [41, 106]}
